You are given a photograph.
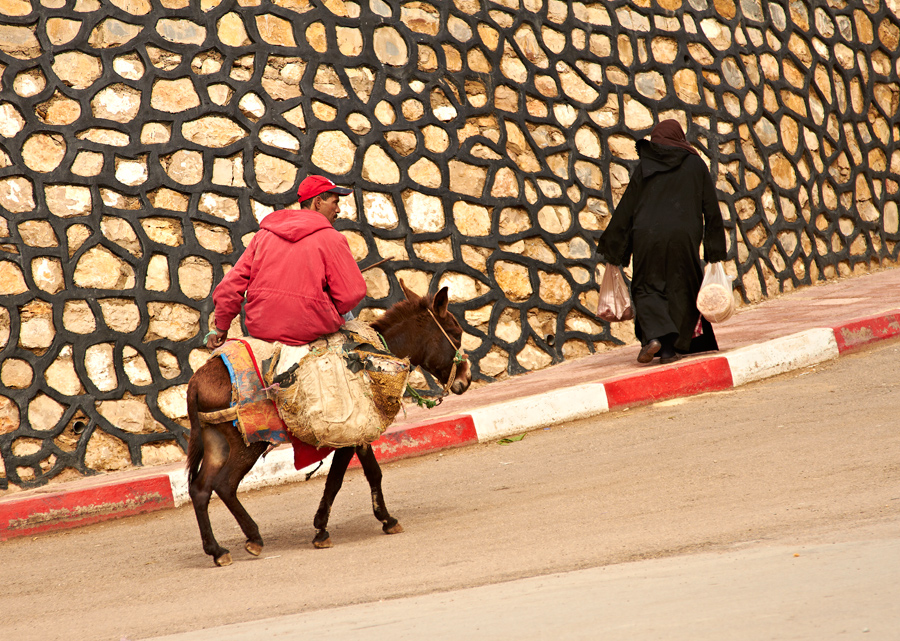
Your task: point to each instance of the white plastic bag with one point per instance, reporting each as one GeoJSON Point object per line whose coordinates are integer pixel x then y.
{"type": "Point", "coordinates": [715, 300]}
{"type": "Point", "coordinates": [615, 301]}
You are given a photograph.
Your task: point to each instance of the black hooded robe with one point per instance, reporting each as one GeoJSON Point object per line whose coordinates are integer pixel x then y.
{"type": "Point", "coordinates": [669, 207]}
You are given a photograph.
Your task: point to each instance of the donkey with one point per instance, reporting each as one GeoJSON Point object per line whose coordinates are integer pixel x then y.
{"type": "Point", "coordinates": [420, 328]}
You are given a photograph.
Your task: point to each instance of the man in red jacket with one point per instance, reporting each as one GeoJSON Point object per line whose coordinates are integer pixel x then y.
{"type": "Point", "coordinates": [297, 275]}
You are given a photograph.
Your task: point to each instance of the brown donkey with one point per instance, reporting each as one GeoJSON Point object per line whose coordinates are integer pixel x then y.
{"type": "Point", "coordinates": [420, 328]}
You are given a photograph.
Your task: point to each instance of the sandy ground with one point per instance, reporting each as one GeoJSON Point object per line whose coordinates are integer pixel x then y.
{"type": "Point", "coordinates": [812, 456]}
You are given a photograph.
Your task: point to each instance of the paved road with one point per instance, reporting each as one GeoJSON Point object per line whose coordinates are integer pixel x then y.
{"type": "Point", "coordinates": [664, 519]}
{"type": "Point", "coordinates": [800, 592]}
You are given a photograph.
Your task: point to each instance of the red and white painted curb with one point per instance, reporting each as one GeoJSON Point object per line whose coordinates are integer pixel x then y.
{"type": "Point", "coordinates": [36, 511]}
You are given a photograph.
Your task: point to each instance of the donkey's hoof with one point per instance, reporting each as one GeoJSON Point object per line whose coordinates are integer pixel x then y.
{"type": "Point", "coordinates": [253, 548]}
{"type": "Point", "coordinates": [322, 541]}
{"type": "Point", "coordinates": [224, 560]}
{"type": "Point", "coordinates": [391, 526]}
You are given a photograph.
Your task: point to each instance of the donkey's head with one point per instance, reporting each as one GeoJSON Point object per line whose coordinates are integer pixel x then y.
{"type": "Point", "coordinates": [422, 328]}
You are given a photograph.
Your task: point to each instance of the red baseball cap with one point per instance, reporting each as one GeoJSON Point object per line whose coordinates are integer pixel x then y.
{"type": "Point", "coordinates": [314, 185]}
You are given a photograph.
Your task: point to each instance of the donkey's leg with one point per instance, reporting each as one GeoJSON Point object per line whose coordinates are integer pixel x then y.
{"type": "Point", "coordinates": [240, 460]}
{"type": "Point", "coordinates": [372, 470]}
{"type": "Point", "coordinates": [333, 484]}
{"type": "Point", "coordinates": [215, 455]}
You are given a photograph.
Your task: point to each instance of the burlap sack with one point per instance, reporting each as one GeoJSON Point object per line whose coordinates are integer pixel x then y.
{"type": "Point", "coordinates": [325, 403]}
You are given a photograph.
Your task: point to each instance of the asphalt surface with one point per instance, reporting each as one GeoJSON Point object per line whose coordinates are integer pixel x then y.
{"type": "Point", "coordinates": [804, 592]}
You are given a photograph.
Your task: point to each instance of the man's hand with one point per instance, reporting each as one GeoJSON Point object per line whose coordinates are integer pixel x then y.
{"type": "Point", "coordinates": [216, 340]}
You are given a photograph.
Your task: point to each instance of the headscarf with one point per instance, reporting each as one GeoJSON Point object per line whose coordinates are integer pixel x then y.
{"type": "Point", "coordinates": [669, 132]}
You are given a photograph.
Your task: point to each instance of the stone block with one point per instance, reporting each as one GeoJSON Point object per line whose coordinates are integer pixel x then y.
{"type": "Point", "coordinates": [280, 138]}
{"type": "Point", "coordinates": [101, 370]}
{"type": "Point", "coordinates": [106, 453]}
{"type": "Point", "coordinates": [135, 367]}
{"type": "Point", "coordinates": [513, 279]}
{"type": "Point", "coordinates": [379, 210]}
{"type": "Point", "coordinates": [47, 274]}
{"type": "Point", "coordinates": [213, 131]}
{"type": "Point", "coordinates": [195, 277]}
{"type": "Point", "coordinates": [436, 139]}
{"type": "Point", "coordinates": [58, 110]}
{"type": "Point", "coordinates": [471, 219]}
{"type": "Point", "coordinates": [167, 363]}
{"type": "Point", "coordinates": [350, 41]}
{"type": "Point", "coordinates": [12, 281]}
{"type": "Point", "coordinates": [462, 287]}
{"type": "Point", "coordinates": [78, 317]}
{"type": "Point", "coordinates": [172, 321]}
{"type": "Point", "coordinates": [43, 153]}
{"type": "Point", "coordinates": [174, 96]}
{"type": "Point", "coordinates": [117, 102]}
{"type": "Point", "coordinates": [11, 121]}
{"type": "Point", "coordinates": [379, 167]}
{"type": "Point", "coordinates": [131, 171]}
{"type": "Point", "coordinates": [274, 175]}
{"type": "Point", "coordinates": [531, 357]}
{"type": "Point", "coordinates": [16, 373]}
{"type": "Point", "coordinates": [120, 314]}
{"type": "Point", "coordinates": [213, 237]}
{"type": "Point", "coordinates": [9, 415]}
{"type": "Point", "coordinates": [61, 375]}
{"type": "Point", "coordinates": [334, 152]}
{"type": "Point", "coordinates": [231, 31]}
{"type": "Point", "coordinates": [161, 454]}
{"type": "Point", "coordinates": [99, 268]}
{"type": "Point", "coordinates": [19, 42]}
{"type": "Point", "coordinates": [440, 251]}
{"type": "Point", "coordinates": [38, 233]}
{"type": "Point", "coordinates": [467, 179]}
{"type": "Point", "coordinates": [130, 414]}
{"type": "Point", "coordinates": [184, 166]}
{"type": "Point", "coordinates": [87, 163]}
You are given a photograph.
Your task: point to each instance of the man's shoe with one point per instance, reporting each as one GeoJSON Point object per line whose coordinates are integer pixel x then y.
{"type": "Point", "coordinates": [665, 360]}
{"type": "Point", "coordinates": [648, 351]}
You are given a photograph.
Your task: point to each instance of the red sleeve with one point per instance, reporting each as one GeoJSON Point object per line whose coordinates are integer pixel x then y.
{"type": "Point", "coordinates": [228, 295]}
{"type": "Point", "coordinates": [346, 285]}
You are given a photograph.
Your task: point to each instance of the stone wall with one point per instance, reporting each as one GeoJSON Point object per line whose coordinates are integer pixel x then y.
{"type": "Point", "coordinates": [488, 140]}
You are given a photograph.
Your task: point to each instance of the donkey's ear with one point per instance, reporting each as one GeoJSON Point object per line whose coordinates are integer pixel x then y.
{"type": "Point", "coordinates": [441, 300]}
{"type": "Point", "coordinates": [411, 296]}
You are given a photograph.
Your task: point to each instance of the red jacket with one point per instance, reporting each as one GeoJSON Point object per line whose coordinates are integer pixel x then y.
{"type": "Point", "coordinates": [299, 279]}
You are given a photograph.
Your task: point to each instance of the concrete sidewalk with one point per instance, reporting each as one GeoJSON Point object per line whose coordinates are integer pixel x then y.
{"type": "Point", "coordinates": [799, 329]}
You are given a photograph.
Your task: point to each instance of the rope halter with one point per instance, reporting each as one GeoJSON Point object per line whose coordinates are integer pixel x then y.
{"type": "Point", "coordinates": [458, 357]}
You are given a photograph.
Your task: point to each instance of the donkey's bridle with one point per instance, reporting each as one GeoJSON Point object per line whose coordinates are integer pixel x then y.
{"type": "Point", "coordinates": [458, 357]}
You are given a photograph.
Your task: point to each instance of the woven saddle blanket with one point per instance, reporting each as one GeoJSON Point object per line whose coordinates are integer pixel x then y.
{"type": "Point", "coordinates": [257, 417]}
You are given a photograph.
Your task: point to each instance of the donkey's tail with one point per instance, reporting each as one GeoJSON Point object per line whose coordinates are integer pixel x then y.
{"type": "Point", "coordinates": [195, 441]}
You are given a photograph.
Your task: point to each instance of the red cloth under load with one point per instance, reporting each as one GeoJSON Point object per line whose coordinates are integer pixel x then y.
{"type": "Point", "coordinates": [305, 454]}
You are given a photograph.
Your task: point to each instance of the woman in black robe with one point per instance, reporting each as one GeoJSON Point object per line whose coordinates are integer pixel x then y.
{"type": "Point", "coordinates": [669, 207]}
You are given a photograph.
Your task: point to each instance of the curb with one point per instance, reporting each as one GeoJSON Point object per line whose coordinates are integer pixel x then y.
{"type": "Point", "coordinates": [44, 510]}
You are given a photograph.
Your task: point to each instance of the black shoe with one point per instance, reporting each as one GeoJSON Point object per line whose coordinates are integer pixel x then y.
{"type": "Point", "coordinates": [665, 360]}
{"type": "Point", "coordinates": [648, 351]}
